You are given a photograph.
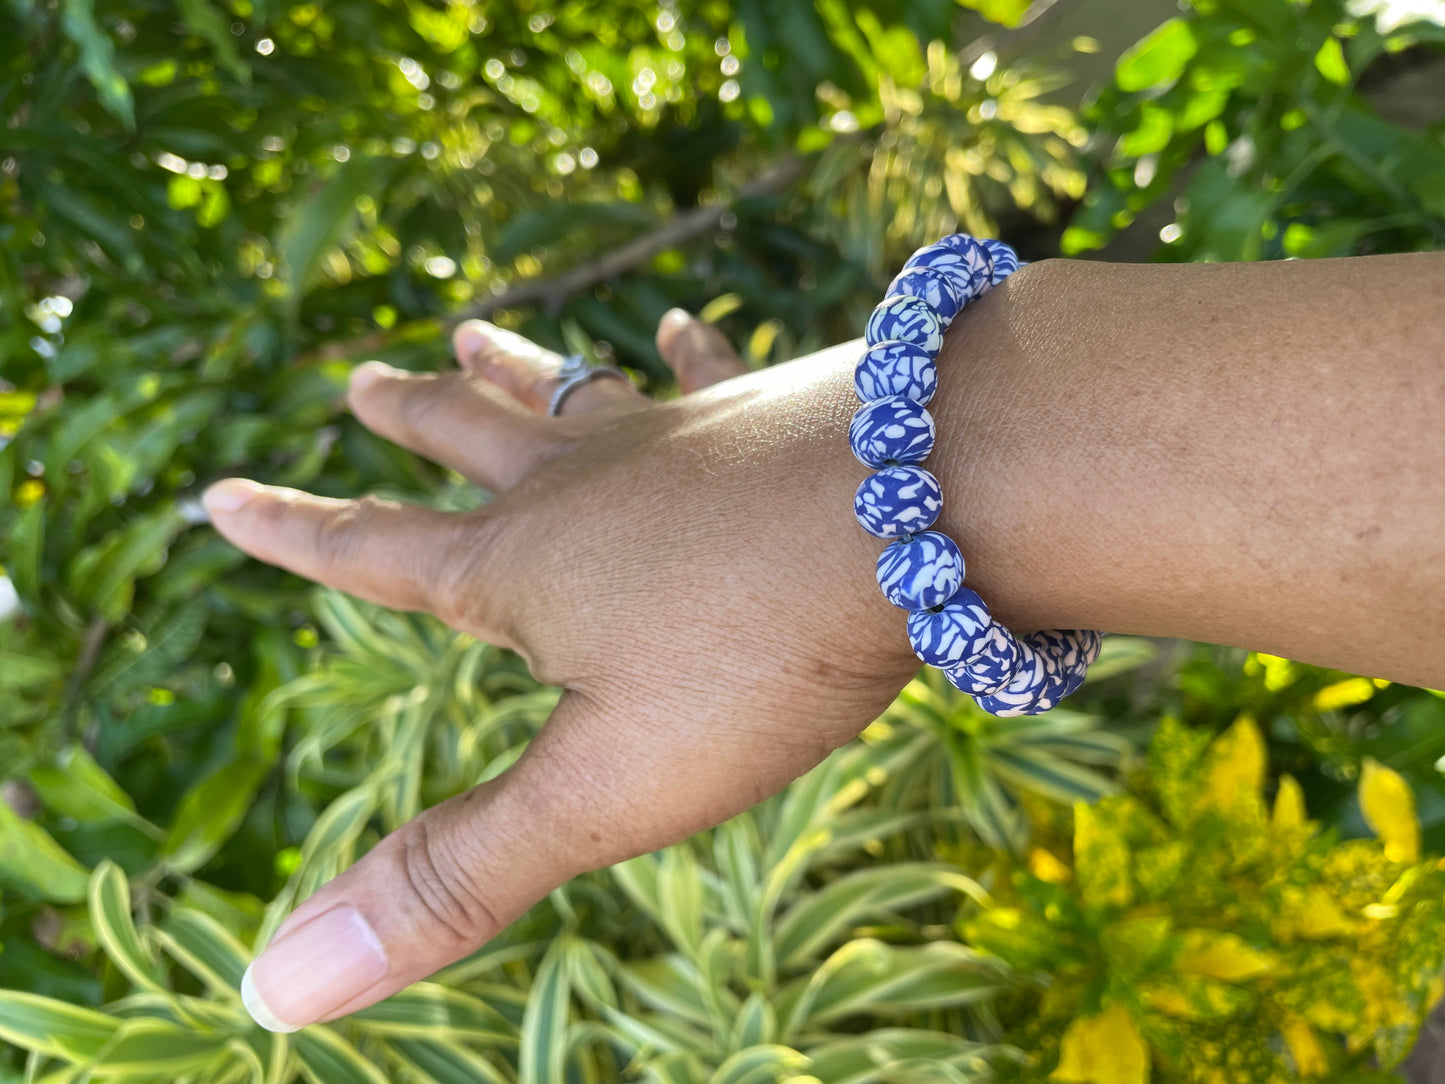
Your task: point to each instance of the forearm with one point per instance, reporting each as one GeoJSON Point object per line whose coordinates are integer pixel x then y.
{"type": "Point", "coordinates": [1249, 454]}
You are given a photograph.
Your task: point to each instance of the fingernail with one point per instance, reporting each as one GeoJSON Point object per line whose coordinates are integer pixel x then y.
{"type": "Point", "coordinates": [676, 318]}
{"type": "Point", "coordinates": [368, 373]}
{"type": "Point", "coordinates": [230, 495]}
{"type": "Point", "coordinates": [469, 341]}
{"type": "Point", "coordinates": [312, 971]}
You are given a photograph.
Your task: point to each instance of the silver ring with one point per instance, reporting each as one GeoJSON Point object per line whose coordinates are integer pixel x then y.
{"type": "Point", "coordinates": [576, 371]}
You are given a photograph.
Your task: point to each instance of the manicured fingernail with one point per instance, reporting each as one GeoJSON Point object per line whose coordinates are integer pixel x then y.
{"type": "Point", "coordinates": [368, 373]}
{"type": "Point", "coordinates": [469, 341]}
{"type": "Point", "coordinates": [230, 495]}
{"type": "Point", "coordinates": [312, 971]}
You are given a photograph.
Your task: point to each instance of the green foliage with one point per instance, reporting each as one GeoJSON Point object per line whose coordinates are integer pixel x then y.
{"type": "Point", "coordinates": [209, 210]}
{"type": "Point", "coordinates": [1250, 116]}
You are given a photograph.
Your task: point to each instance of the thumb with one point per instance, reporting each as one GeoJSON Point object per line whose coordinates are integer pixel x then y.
{"type": "Point", "coordinates": [428, 894]}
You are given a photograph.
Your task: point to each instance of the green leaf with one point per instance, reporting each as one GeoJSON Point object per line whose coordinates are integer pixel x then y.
{"type": "Point", "coordinates": [205, 948]}
{"type": "Point", "coordinates": [31, 861]}
{"type": "Point", "coordinates": [670, 983]}
{"type": "Point", "coordinates": [210, 812]}
{"type": "Point", "coordinates": [53, 1028]}
{"type": "Point", "coordinates": [327, 1058]}
{"type": "Point", "coordinates": [25, 546]}
{"type": "Point", "coordinates": [679, 894]}
{"type": "Point", "coordinates": [867, 976]}
{"type": "Point", "coordinates": [1158, 58]}
{"type": "Point", "coordinates": [760, 1065]}
{"type": "Point", "coordinates": [105, 574]}
{"type": "Point", "coordinates": [150, 1048]}
{"type": "Point", "coordinates": [426, 1010]}
{"type": "Point", "coordinates": [543, 1054]}
{"type": "Point", "coordinates": [115, 929]}
{"type": "Point", "coordinates": [323, 218]}
{"type": "Point", "coordinates": [1004, 12]}
{"type": "Point", "coordinates": [1330, 62]}
{"type": "Point", "coordinates": [824, 916]}
{"type": "Point", "coordinates": [19, 671]}
{"type": "Point", "coordinates": [756, 1023]}
{"type": "Point", "coordinates": [448, 1063]}
{"type": "Point", "coordinates": [97, 59]}
{"type": "Point", "coordinates": [206, 19]}
{"type": "Point", "coordinates": [76, 786]}
{"type": "Point", "coordinates": [1119, 654]}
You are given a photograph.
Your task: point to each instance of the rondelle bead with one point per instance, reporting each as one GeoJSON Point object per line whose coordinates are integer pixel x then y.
{"type": "Point", "coordinates": [992, 665]}
{"type": "Point", "coordinates": [891, 432]}
{"type": "Point", "coordinates": [907, 319]}
{"type": "Point", "coordinates": [961, 258]}
{"type": "Point", "coordinates": [898, 501]}
{"type": "Point", "coordinates": [920, 571]}
{"type": "Point", "coordinates": [1075, 649]}
{"type": "Point", "coordinates": [1032, 689]}
{"type": "Point", "coordinates": [896, 368]}
{"type": "Point", "coordinates": [930, 284]}
{"type": "Point", "coordinates": [1005, 261]}
{"type": "Point", "coordinates": [951, 634]}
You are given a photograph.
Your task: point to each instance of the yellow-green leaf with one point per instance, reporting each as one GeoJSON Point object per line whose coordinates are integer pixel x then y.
{"type": "Point", "coordinates": [1305, 1047]}
{"type": "Point", "coordinates": [1330, 61]}
{"type": "Point", "coordinates": [1158, 58]}
{"type": "Point", "coordinates": [33, 862]}
{"type": "Point", "coordinates": [1101, 860]}
{"type": "Point", "coordinates": [53, 1028]}
{"type": "Point", "coordinates": [1103, 1049]}
{"type": "Point", "coordinates": [1221, 955]}
{"type": "Point", "coordinates": [1344, 694]}
{"type": "Point", "coordinates": [114, 928]}
{"type": "Point", "coordinates": [1236, 763]}
{"type": "Point", "coordinates": [1289, 806]}
{"type": "Point", "coordinates": [1389, 808]}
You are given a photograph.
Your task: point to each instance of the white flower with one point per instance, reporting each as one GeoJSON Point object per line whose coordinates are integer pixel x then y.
{"type": "Point", "coordinates": [1390, 15]}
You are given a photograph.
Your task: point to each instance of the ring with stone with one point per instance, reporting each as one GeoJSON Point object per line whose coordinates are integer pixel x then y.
{"type": "Point", "coordinates": [574, 372]}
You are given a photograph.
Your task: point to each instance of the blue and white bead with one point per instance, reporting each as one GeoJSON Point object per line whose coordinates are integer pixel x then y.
{"type": "Point", "coordinates": [962, 259]}
{"type": "Point", "coordinates": [952, 634]}
{"type": "Point", "coordinates": [1031, 690]}
{"type": "Point", "coordinates": [992, 665]}
{"type": "Point", "coordinates": [906, 319]}
{"type": "Point", "coordinates": [1005, 261]}
{"type": "Point", "coordinates": [898, 501]}
{"type": "Point", "coordinates": [890, 432]}
{"type": "Point", "coordinates": [896, 368]}
{"type": "Point", "coordinates": [922, 571]}
{"type": "Point", "coordinates": [1074, 649]}
{"type": "Point", "coordinates": [933, 286]}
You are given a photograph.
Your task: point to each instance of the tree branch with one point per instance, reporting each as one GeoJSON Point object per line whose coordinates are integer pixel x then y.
{"type": "Point", "coordinates": [552, 293]}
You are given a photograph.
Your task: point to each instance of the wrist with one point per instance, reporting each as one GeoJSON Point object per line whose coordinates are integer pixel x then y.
{"type": "Point", "coordinates": [1017, 459]}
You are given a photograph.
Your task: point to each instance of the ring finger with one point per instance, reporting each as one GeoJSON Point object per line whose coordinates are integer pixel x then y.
{"type": "Point", "coordinates": [532, 373]}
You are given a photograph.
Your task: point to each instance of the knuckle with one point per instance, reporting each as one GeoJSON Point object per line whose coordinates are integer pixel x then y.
{"type": "Point", "coordinates": [339, 536]}
{"type": "Point", "coordinates": [470, 565]}
{"type": "Point", "coordinates": [420, 402]}
{"type": "Point", "coordinates": [442, 884]}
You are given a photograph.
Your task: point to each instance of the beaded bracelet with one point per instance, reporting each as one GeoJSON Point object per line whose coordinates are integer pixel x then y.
{"type": "Point", "coordinates": [921, 570]}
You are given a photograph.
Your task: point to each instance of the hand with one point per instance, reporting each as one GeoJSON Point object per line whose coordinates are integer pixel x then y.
{"type": "Point", "coordinates": [690, 574]}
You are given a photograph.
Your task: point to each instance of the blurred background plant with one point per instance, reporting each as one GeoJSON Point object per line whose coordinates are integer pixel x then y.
{"type": "Point", "coordinates": [210, 210]}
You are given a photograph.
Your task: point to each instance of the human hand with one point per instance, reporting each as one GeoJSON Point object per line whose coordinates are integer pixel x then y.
{"type": "Point", "coordinates": [689, 573]}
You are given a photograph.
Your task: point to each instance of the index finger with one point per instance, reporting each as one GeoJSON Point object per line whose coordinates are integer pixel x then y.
{"type": "Point", "coordinates": [407, 557]}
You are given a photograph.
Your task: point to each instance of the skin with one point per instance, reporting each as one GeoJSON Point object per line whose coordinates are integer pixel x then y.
{"type": "Point", "coordinates": [1247, 454]}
